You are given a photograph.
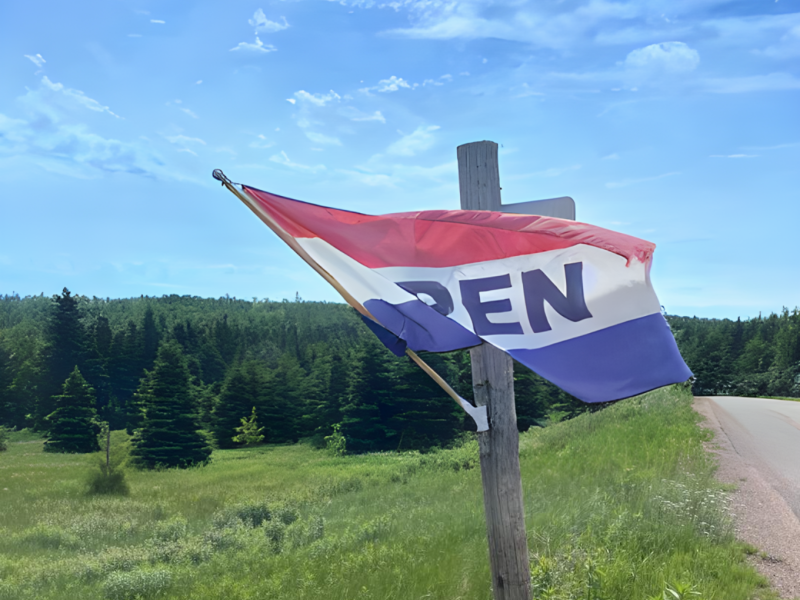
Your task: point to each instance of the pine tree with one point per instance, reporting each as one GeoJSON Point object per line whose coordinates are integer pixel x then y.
{"type": "Point", "coordinates": [65, 350]}
{"type": "Point", "coordinates": [364, 414]}
{"type": "Point", "coordinates": [169, 435]}
{"type": "Point", "coordinates": [249, 433]}
{"type": "Point", "coordinates": [239, 392]}
{"type": "Point", "coordinates": [73, 425]}
{"type": "Point", "coordinates": [421, 413]}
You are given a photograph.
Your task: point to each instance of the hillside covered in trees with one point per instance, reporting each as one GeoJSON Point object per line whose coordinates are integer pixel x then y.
{"type": "Point", "coordinates": [304, 366]}
{"type": "Point", "coordinates": [755, 357]}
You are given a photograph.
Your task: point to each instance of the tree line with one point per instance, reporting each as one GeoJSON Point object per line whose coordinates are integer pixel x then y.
{"type": "Point", "coordinates": [754, 357]}
{"type": "Point", "coordinates": [304, 367]}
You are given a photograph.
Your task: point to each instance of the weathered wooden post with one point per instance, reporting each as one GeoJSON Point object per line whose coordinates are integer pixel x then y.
{"type": "Point", "coordinates": [493, 385]}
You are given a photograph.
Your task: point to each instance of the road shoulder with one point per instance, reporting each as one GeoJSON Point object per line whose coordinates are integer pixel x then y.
{"type": "Point", "coordinates": [761, 516]}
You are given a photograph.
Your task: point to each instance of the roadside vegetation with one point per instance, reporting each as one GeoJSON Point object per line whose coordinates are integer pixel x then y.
{"type": "Point", "coordinates": [620, 504]}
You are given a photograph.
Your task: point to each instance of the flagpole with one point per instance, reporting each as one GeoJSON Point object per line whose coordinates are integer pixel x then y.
{"type": "Point", "coordinates": [493, 387]}
{"type": "Point", "coordinates": [251, 203]}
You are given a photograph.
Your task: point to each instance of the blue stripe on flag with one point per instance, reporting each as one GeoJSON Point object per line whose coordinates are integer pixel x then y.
{"type": "Point", "coordinates": [613, 363]}
{"type": "Point", "coordinates": [421, 327]}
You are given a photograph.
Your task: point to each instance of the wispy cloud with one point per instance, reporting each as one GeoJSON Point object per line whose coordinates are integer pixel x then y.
{"type": "Point", "coordinates": [51, 137]}
{"type": "Point", "coordinates": [263, 25]}
{"type": "Point", "coordinates": [376, 116]}
{"type": "Point", "coordinates": [261, 143]}
{"type": "Point", "coordinates": [71, 97]}
{"type": "Point", "coordinates": [627, 182]}
{"type": "Point", "coordinates": [316, 99]}
{"type": "Point", "coordinates": [183, 140]}
{"type": "Point", "coordinates": [413, 143]}
{"type": "Point", "coordinates": [36, 59]}
{"type": "Point", "coordinates": [157, 21]}
{"type": "Point", "coordinates": [672, 57]}
{"type": "Point", "coordinates": [319, 138]}
{"type": "Point", "coordinates": [392, 84]}
{"type": "Point", "coordinates": [787, 47]}
{"type": "Point", "coordinates": [258, 47]}
{"type": "Point", "coordinates": [283, 159]}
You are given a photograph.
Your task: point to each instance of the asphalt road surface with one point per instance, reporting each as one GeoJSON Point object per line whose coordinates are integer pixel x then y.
{"type": "Point", "coordinates": [766, 434]}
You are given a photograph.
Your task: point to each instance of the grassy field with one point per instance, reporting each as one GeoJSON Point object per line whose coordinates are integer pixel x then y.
{"type": "Point", "coordinates": [619, 504]}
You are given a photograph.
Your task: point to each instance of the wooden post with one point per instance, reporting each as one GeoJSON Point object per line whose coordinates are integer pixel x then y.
{"type": "Point", "coordinates": [493, 385]}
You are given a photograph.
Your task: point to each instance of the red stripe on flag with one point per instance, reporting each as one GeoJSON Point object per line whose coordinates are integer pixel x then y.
{"type": "Point", "coordinates": [440, 238]}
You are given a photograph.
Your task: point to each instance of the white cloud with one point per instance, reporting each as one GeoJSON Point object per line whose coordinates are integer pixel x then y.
{"type": "Point", "coordinates": [36, 59]}
{"type": "Point", "coordinates": [283, 159]}
{"type": "Point", "coordinates": [264, 25]}
{"type": "Point", "coordinates": [413, 143]}
{"type": "Point", "coordinates": [50, 92]}
{"type": "Point", "coordinates": [317, 99]}
{"type": "Point", "coordinates": [157, 21]}
{"type": "Point", "coordinates": [392, 84]}
{"type": "Point", "coordinates": [198, 82]}
{"type": "Point", "coordinates": [292, 100]}
{"type": "Point", "coordinates": [319, 138]}
{"type": "Point", "coordinates": [672, 57]}
{"type": "Point", "coordinates": [627, 182]}
{"type": "Point", "coordinates": [376, 116]}
{"type": "Point", "coordinates": [50, 137]}
{"type": "Point", "coordinates": [189, 112]}
{"type": "Point", "coordinates": [258, 46]}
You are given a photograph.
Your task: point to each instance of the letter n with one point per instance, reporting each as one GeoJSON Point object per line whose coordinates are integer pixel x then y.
{"type": "Point", "coordinates": [538, 289]}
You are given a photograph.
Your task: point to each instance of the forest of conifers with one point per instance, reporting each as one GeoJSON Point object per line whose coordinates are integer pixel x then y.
{"type": "Point", "coordinates": [306, 366]}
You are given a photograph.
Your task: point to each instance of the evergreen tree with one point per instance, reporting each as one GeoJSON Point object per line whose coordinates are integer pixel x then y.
{"type": "Point", "coordinates": [169, 435]}
{"type": "Point", "coordinates": [66, 349]}
{"type": "Point", "coordinates": [365, 412]}
{"type": "Point", "coordinates": [249, 434]}
{"type": "Point", "coordinates": [423, 416]}
{"type": "Point", "coordinates": [73, 425]}
{"type": "Point", "coordinates": [239, 393]}
{"type": "Point", "coordinates": [150, 338]}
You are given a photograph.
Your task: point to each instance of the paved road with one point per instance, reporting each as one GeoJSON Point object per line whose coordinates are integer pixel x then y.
{"type": "Point", "coordinates": [766, 434]}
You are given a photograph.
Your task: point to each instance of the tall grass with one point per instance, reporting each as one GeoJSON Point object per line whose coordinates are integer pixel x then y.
{"type": "Point", "coordinates": [619, 505]}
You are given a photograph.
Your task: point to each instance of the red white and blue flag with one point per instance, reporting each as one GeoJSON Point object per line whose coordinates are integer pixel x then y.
{"type": "Point", "coordinates": [571, 301]}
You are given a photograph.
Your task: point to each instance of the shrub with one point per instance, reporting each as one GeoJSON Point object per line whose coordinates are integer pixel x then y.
{"type": "Point", "coordinates": [110, 476]}
{"type": "Point", "coordinates": [171, 530]}
{"type": "Point", "coordinates": [136, 584]}
{"type": "Point", "coordinates": [336, 443]}
{"type": "Point", "coordinates": [3, 438]}
{"type": "Point", "coordinates": [251, 514]}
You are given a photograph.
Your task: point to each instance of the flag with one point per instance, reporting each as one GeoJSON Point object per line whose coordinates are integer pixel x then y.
{"type": "Point", "coordinates": [571, 301]}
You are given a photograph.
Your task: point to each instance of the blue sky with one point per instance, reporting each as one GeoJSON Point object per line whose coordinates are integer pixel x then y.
{"type": "Point", "coordinates": [675, 121]}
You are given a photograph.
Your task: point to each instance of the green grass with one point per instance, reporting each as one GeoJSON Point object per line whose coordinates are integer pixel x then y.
{"type": "Point", "coordinates": [618, 504]}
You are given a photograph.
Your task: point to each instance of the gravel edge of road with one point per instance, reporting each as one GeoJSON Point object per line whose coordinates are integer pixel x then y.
{"type": "Point", "coordinates": [761, 516]}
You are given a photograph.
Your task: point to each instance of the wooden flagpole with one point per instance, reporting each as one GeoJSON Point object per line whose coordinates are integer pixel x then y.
{"type": "Point", "coordinates": [493, 386]}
